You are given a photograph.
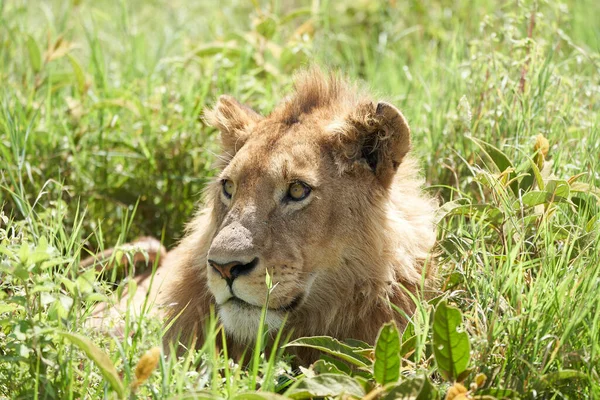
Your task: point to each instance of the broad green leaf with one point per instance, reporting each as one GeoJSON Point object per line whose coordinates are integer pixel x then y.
{"type": "Point", "coordinates": [291, 58]}
{"type": "Point", "coordinates": [84, 282]}
{"type": "Point", "coordinates": [41, 252]}
{"type": "Point", "coordinates": [463, 375]}
{"type": "Point", "coordinates": [386, 368]}
{"type": "Point", "coordinates": [42, 245]}
{"type": "Point", "coordinates": [409, 342]}
{"type": "Point", "coordinates": [535, 171]}
{"type": "Point", "coordinates": [46, 298]}
{"type": "Point", "coordinates": [408, 345]}
{"type": "Point", "coordinates": [361, 347]}
{"type": "Point", "coordinates": [298, 12]}
{"type": "Point", "coordinates": [532, 176]}
{"type": "Point", "coordinates": [96, 297]}
{"type": "Point", "coordinates": [53, 262]}
{"type": "Point", "coordinates": [99, 358]}
{"type": "Point", "coordinates": [558, 188]}
{"type": "Point", "coordinates": [267, 26]}
{"type": "Point", "coordinates": [10, 307]}
{"type": "Point", "coordinates": [7, 252]}
{"type": "Point", "coordinates": [451, 347]}
{"type": "Point", "coordinates": [537, 197]}
{"type": "Point", "coordinates": [561, 378]}
{"type": "Point", "coordinates": [35, 56]}
{"type": "Point", "coordinates": [483, 211]}
{"type": "Point", "coordinates": [68, 284]}
{"type": "Point", "coordinates": [40, 288]}
{"type": "Point", "coordinates": [321, 367]}
{"type": "Point", "coordinates": [527, 180]}
{"type": "Point", "coordinates": [326, 385]}
{"type": "Point", "coordinates": [358, 344]}
{"type": "Point", "coordinates": [499, 159]}
{"type": "Point", "coordinates": [339, 364]}
{"type": "Point", "coordinates": [365, 381]}
{"type": "Point", "coordinates": [448, 207]}
{"type": "Point", "coordinates": [531, 199]}
{"type": "Point", "coordinates": [334, 347]}
{"type": "Point", "coordinates": [418, 388]}
{"type": "Point", "coordinates": [20, 272]}
{"type": "Point", "coordinates": [60, 308]}
{"type": "Point", "coordinates": [210, 49]}
{"type": "Point", "coordinates": [532, 168]}
{"type": "Point", "coordinates": [24, 252]}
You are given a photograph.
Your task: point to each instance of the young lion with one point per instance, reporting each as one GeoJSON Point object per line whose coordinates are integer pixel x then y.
{"type": "Point", "coordinates": [323, 195]}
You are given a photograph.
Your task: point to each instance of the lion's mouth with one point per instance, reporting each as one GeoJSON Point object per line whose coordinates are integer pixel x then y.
{"type": "Point", "coordinates": [292, 305]}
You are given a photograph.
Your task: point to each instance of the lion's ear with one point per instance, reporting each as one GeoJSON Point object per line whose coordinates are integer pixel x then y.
{"type": "Point", "coordinates": [378, 137]}
{"type": "Point", "coordinates": [235, 121]}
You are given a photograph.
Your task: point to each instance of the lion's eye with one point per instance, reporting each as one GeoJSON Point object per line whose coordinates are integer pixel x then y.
{"type": "Point", "coordinates": [228, 187]}
{"type": "Point", "coordinates": [298, 191]}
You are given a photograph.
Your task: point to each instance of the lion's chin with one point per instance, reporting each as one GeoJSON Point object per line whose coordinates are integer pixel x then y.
{"type": "Point", "coordinates": [241, 320]}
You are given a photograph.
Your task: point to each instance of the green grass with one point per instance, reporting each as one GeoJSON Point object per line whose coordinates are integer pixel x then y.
{"type": "Point", "coordinates": [101, 141]}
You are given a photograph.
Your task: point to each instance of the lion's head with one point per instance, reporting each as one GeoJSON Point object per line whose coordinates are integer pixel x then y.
{"type": "Point", "coordinates": [321, 195]}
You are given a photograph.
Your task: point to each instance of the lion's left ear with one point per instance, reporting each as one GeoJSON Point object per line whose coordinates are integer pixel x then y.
{"type": "Point", "coordinates": [377, 136]}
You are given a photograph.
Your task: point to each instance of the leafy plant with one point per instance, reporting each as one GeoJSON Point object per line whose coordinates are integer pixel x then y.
{"type": "Point", "coordinates": [380, 375]}
{"type": "Point", "coordinates": [102, 141]}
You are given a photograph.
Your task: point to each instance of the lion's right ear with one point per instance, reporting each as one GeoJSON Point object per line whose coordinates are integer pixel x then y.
{"type": "Point", "coordinates": [235, 121]}
{"type": "Point", "coordinates": [375, 136]}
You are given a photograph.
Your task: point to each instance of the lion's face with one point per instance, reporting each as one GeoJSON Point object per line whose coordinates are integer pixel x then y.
{"type": "Point", "coordinates": [291, 200]}
{"type": "Point", "coordinates": [275, 209]}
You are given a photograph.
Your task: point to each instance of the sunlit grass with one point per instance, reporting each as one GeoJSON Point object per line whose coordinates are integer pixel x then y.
{"type": "Point", "coordinates": [101, 141]}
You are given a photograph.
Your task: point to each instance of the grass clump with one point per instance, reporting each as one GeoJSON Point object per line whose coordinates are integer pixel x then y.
{"type": "Point", "coordinates": [101, 141]}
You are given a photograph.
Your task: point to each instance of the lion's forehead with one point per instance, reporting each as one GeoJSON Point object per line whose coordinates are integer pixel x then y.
{"type": "Point", "coordinates": [286, 159]}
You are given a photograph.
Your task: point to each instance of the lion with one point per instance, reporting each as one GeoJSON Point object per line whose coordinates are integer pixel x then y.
{"type": "Point", "coordinates": [323, 195]}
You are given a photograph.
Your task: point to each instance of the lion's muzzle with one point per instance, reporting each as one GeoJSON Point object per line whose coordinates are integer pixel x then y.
{"type": "Point", "coordinates": [231, 270]}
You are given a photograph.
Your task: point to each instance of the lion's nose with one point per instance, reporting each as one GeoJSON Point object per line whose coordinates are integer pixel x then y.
{"type": "Point", "coordinates": [231, 270]}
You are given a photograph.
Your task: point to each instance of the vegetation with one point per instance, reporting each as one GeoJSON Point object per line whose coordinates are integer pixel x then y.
{"type": "Point", "coordinates": [101, 141]}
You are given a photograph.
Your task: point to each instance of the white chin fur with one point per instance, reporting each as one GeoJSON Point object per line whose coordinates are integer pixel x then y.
{"type": "Point", "coordinates": [241, 321]}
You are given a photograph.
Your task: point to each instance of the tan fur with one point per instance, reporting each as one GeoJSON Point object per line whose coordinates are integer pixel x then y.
{"type": "Point", "coordinates": [143, 250]}
{"type": "Point", "coordinates": [358, 242]}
